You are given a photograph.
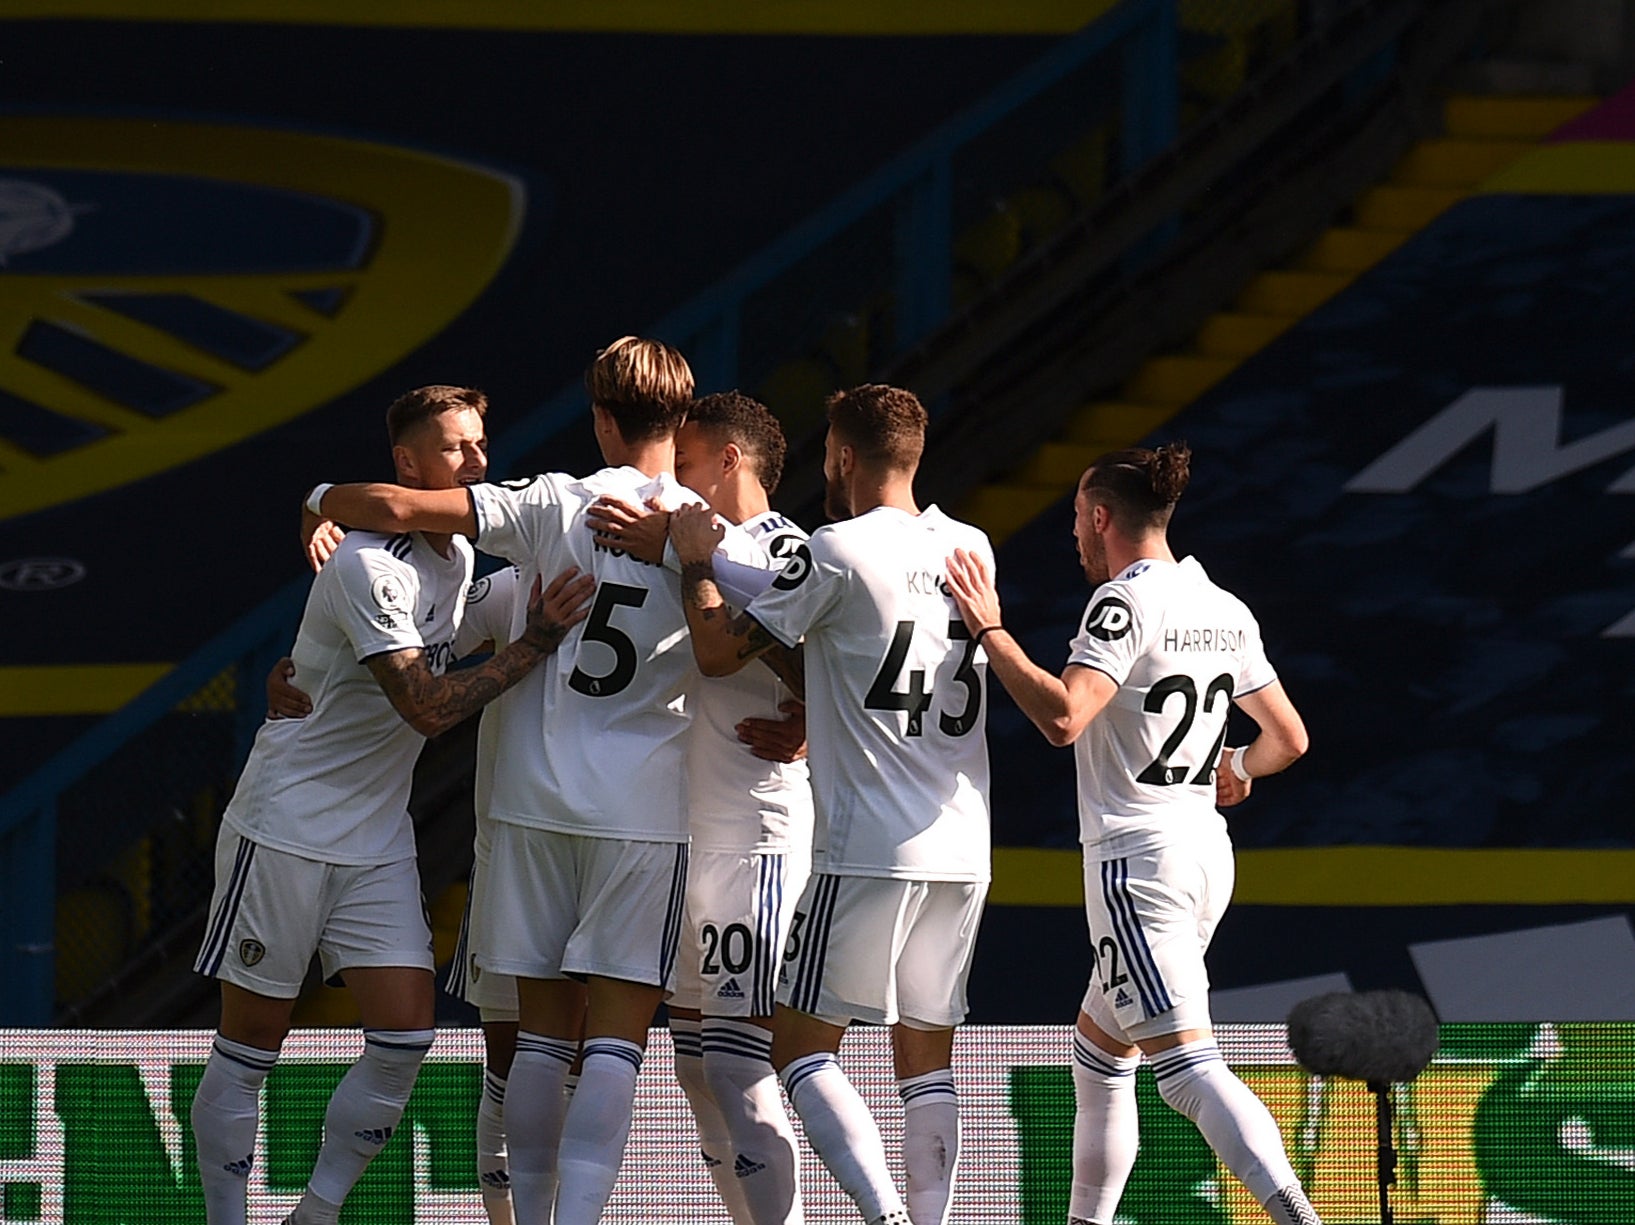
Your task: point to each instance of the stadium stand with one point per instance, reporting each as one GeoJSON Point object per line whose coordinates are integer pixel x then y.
{"type": "Point", "coordinates": [1480, 136]}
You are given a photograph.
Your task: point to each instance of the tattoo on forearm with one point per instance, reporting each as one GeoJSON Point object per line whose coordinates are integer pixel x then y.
{"type": "Point", "coordinates": [433, 704]}
{"type": "Point", "coordinates": [698, 588]}
{"type": "Point", "coordinates": [544, 637]}
{"type": "Point", "coordinates": [751, 635]}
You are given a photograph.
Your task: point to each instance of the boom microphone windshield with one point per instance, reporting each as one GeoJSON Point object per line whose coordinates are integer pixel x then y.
{"type": "Point", "coordinates": [1376, 1036]}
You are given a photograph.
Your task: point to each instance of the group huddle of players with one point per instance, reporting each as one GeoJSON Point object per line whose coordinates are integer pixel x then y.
{"type": "Point", "coordinates": [736, 770]}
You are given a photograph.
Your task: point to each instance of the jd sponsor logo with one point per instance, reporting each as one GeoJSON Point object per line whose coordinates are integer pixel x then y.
{"type": "Point", "coordinates": [794, 570]}
{"type": "Point", "coordinates": [1110, 619]}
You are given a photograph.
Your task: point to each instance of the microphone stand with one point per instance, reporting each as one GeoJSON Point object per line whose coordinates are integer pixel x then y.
{"type": "Point", "coordinates": [1387, 1163]}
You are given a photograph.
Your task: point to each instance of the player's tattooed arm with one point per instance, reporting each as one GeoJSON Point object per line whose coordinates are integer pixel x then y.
{"type": "Point", "coordinates": [432, 704]}
{"type": "Point", "coordinates": [724, 641]}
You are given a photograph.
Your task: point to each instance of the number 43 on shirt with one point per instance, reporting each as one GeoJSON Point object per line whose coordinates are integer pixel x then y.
{"type": "Point", "coordinates": [915, 698]}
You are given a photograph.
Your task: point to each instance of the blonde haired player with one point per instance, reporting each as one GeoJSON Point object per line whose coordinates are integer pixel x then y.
{"type": "Point", "coordinates": [588, 870]}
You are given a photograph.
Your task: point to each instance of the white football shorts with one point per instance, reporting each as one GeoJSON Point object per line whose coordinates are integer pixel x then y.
{"type": "Point", "coordinates": [1151, 918]}
{"type": "Point", "coordinates": [882, 950]}
{"type": "Point", "coordinates": [739, 907]}
{"type": "Point", "coordinates": [271, 910]}
{"type": "Point", "coordinates": [557, 905]}
{"type": "Point", "coordinates": [494, 995]}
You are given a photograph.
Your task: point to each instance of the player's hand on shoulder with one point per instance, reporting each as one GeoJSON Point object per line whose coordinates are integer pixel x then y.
{"type": "Point", "coordinates": [284, 700]}
{"type": "Point", "coordinates": [695, 532]}
{"type": "Point", "coordinates": [638, 530]}
{"type": "Point", "coordinates": [1229, 788]}
{"type": "Point", "coordinates": [972, 586]}
{"type": "Point", "coordinates": [319, 539]}
{"type": "Point", "coordinates": [782, 740]}
{"type": "Point", "coordinates": [557, 607]}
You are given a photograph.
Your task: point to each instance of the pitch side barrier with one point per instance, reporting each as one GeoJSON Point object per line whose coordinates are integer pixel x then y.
{"type": "Point", "coordinates": [1508, 1123]}
{"type": "Point", "coordinates": [910, 205]}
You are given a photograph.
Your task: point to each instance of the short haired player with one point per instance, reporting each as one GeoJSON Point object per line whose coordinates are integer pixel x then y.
{"type": "Point", "coordinates": [316, 851]}
{"type": "Point", "coordinates": [1160, 656]}
{"type": "Point", "coordinates": [885, 930]}
{"type": "Point", "coordinates": [749, 800]}
{"type": "Point", "coordinates": [486, 626]}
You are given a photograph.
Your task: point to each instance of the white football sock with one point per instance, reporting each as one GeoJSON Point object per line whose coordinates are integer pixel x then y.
{"type": "Point", "coordinates": [1291, 1207]}
{"type": "Point", "coordinates": [838, 1125]}
{"type": "Point", "coordinates": [596, 1129]}
{"type": "Point", "coordinates": [364, 1110]}
{"type": "Point", "coordinates": [534, 1107]}
{"type": "Point", "coordinates": [1106, 1130]}
{"type": "Point", "coordinates": [766, 1163]}
{"type": "Point", "coordinates": [1195, 1080]}
{"type": "Point", "coordinates": [493, 1174]}
{"type": "Point", "coordinates": [714, 1144]}
{"type": "Point", "coordinates": [930, 1143]}
{"type": "Point", "coordinates": [225, 1115]}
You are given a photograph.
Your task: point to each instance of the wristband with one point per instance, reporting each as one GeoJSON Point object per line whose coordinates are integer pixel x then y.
{"type": "Point", "coordinates": [983, 632]}
{"type": "Point", "coordinates": [1238, 768]}
{"type": "Point", "coordinates": [315, 499]}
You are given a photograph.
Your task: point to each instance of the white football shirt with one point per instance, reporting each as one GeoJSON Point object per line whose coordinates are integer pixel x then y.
{"type": "Point", "coordinates": [334, 786]}
{"type": "Point", "coordinates": [593, 740]}
{"type": "Point", "coordinates": [1180, 649]}
{"type": "Point", "coordinates": [895, 695]}
{"type": "Point", "coordinates": [490, 602]}
{"type": "Point", "coordinates": [737, 801]}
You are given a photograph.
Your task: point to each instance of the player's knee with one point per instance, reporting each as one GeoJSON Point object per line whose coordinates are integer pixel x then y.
{"type": "Point", "coordinates": [395, 1057]}
{"type": "Point", "coordinates": [1189, 1076]}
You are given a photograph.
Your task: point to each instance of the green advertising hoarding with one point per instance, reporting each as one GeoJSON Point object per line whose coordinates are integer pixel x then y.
{"type": "Point", "coordinates": [1510, 1125]}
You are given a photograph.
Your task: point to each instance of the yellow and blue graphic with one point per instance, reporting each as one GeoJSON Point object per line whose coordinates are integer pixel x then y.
{"type": "Point", "coordinates": [170, 289]}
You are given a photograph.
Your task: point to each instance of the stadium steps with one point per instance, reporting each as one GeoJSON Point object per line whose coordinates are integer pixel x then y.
{"type": "Point", "coordinates": [1480, 137]}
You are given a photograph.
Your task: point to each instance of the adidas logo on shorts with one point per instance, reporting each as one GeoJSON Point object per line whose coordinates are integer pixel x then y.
{"type": "Point", "coordinates": [241, 1167]}
{"type": "Point", "coordinates": [498, 1180]}
{"type": "Point", "coordinates": [374, 1135]}
{"type": "Point", "coordinates": [1122, 999]}
{"type": "Point", "coordinates": [730, 990]}
{"type": "Point", "coordinates": [743, 1167]}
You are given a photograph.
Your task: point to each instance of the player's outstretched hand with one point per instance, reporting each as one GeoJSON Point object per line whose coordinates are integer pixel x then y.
{"type": "Point", "coordinates": [973, 589]}
{"type": "Point", "coordinates": [695, 533]}
{"type": "Point", "coordinates": [284, 700]}
{"type": "Point", "coordinates": [319, 539]}
{"type": "Point", "coordinates": [563, 604]}
{"type": "Point", "coordinates": [777, 739]}
{"type": "Point", "coordinates": [1229, 788]}
{"type": "Point", "coordinates": [639, 530]}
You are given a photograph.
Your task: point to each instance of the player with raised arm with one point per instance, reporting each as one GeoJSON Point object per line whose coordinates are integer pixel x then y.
{"type": "Point", "coordinates": [1160, 656]}
{"type": "Point", "coordinates": [885, 930]}
{"type": "Point", "coordinates": [588, 870]}
{"type": "Point", "coordinates": [750, 815]}
{"type": "Point", "coordinates": [316, 851]}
